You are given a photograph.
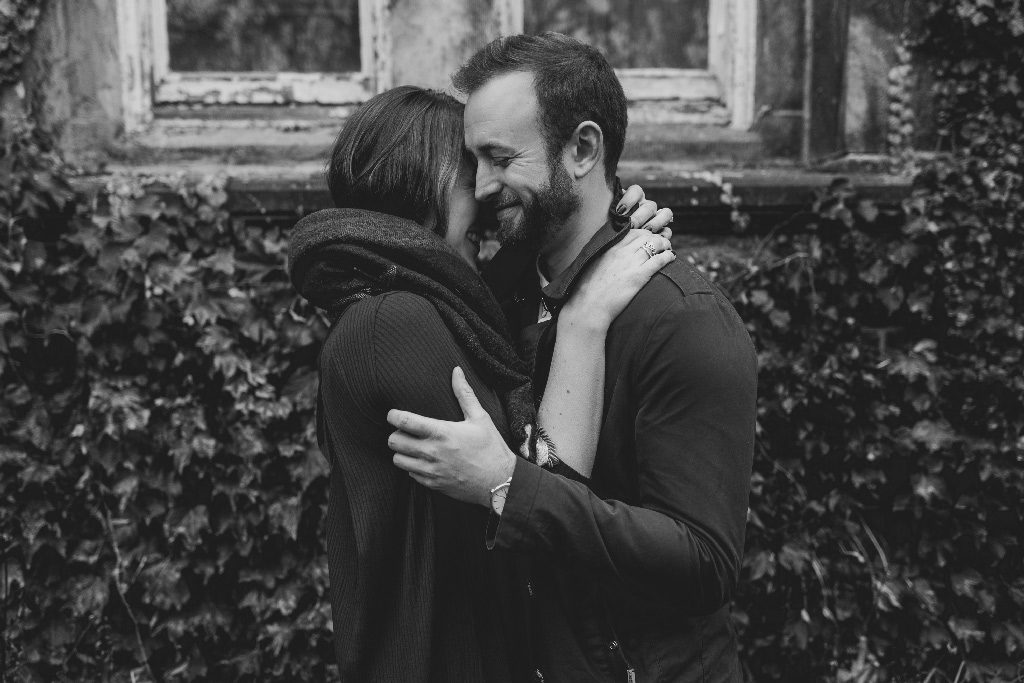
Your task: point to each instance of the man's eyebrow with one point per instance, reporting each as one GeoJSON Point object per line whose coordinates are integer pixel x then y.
{"type": "Point", "coordinates": [492, 147]}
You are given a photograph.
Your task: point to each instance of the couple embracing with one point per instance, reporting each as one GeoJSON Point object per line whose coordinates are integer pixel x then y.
{"type": "Point", "coordinates": [539, 473]}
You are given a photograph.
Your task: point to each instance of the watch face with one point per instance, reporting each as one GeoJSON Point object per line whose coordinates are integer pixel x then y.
{"type": "Point", "coordinates": [498, 497]}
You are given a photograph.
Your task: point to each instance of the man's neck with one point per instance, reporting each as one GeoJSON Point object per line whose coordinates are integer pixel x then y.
{"type": "Point", "coordinates": [569, 241]}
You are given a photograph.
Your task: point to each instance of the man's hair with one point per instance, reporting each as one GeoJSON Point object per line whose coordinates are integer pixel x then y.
{"type": "Point", "coordinates": [573, 82]}
{"type": "Point", "coordinates": [399, 154]}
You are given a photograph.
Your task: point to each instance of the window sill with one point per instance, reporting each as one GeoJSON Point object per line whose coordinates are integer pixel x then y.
{"type": "Point", "coordinates": [262, 88]}
{"type": "Point", "coordinates": [668, 136]}
{"type": "Point", "coordinates": [665, 130]}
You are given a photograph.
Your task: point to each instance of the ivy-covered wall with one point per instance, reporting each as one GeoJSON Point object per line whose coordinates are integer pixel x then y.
{"type": "Point", "coordinates": [161, 494]}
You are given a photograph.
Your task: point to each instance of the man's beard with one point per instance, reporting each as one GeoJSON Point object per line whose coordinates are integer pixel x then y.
{"type": "Point", "coordinates": [542, 216]}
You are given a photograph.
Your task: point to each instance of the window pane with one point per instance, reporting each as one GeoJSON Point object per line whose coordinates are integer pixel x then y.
{"type": "Point", "coordinates": [263, 35]}
{"type": "Point", "coordinates": [630, 33]}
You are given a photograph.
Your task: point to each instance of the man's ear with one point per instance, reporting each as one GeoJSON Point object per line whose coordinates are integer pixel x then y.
{"type": "Point", "coordinates": [585, 149]}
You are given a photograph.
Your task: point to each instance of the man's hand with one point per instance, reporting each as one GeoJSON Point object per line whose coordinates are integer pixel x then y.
{"type": "Point", "coordinates": [463, 460]}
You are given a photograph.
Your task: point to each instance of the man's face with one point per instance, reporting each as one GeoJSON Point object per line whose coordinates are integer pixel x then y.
{"type": "Point", "coordinates": [532, 195]}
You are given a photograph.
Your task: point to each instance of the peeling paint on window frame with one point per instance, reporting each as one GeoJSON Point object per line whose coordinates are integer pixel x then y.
{"type": "Point", "coordinates": [725, 90]}
{"type": "Point", "coordinates": [721, 95]}
{"type": "Point", "coordinates": [149, 81]}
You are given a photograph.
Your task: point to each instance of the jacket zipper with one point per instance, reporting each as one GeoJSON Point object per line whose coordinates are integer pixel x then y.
{"type": "Point", "coordinates": [614, 646]}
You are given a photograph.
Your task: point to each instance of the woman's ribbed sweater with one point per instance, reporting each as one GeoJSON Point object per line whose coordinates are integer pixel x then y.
{"type": "Point", "coordinates": [439, 605]}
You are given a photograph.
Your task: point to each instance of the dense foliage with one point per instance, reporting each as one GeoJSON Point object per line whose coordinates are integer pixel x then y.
{"type": "Point", "coordinates": [158, 473]}
{"type": "Point", "coordinates": [975, 49]}
{"type": "Point", "coordinates": [17, 20]}
{"type": "Point", "coordinates": [161, 494]}
{"type": "Point", "coordinates": [883, 542]}
{"type": "Point", "coordinates": [886, 515]}
{"type": "Point", "coordinates": [884, 535]}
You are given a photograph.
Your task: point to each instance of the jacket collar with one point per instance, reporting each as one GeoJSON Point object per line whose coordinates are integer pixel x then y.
{"type": "Point", "coordinates": [557, 291]}
{"type": "Point", "coordinates": [512, 273]}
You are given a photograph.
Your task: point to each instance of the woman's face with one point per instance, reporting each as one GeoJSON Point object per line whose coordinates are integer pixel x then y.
{"type": "Point", "coordinates": [462, 214]}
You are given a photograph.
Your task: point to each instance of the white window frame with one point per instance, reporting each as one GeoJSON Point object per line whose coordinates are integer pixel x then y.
{"type": "Point", "coordinates": [148, 80]}
{"type": "Point", "coordinates": [729, 78]}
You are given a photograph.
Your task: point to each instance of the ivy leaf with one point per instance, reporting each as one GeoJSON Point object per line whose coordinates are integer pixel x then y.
{"type": "Point", "coordinates": [309, 466]}
{"type": "Point", "coordinates": [90, 595]}
{"type": "Point", "coordinates": [9, 455]}
{"type": "Point", "coordinates": [14, 576]}
{"type": "Point", "coordinates": [222, 261]}
{"type": "Point", "coordinates": [887, 594]}
{"type": "Point", "coordinates": [284, 515]}
{"type": "Point", "coordinates": [923, 591]}
{"type": "Point", "coordinates": [966, 583]}
{"type": "Point", "coordinates": [121, 408]}
{"type": "Point", "coordinates": [191, 526]}
{"type": "Point", "coordinates": [164, 587]}
{"type": "Point", "coordinates": [794, 558]}
{"type": "Point", "coordinates": [928, 487]}
{"type": "Point", "coordinates": [965, 629]}
{"type": "Point", "coordinates": [779, 319]}
{"type": "Point", "coordinates": [935, 435]}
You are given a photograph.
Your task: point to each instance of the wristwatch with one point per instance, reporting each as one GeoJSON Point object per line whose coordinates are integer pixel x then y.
{"type": "Point", "coordinates": [498, 494]}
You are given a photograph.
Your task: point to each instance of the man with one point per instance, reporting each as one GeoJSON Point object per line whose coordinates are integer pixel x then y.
{"type": "Point", "coordinates": [640, 561]}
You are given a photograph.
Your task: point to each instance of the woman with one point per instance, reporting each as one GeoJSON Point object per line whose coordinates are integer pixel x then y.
{"type": "Point", "coordinates": [415, 595]}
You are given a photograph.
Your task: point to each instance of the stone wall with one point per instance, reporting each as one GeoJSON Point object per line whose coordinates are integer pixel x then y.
{"type": "Point", "coordinates": [874, 33]}
{"type": "Point", "coordinates": [431, 38]}
{"type": "Point", "coordinates": [74, 75]}
{"type": "Point", "coordinates": [780, 74]}
{"type": "Point", "coordinates": [73, 78]}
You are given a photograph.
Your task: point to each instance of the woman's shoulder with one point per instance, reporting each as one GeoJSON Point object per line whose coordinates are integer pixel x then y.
{"type": "Point", "coordinates": [395, 349]}
{"type": "Point", "coordinates": [379, 342]}
{"type": "Point", "coordinates": [389, 307]}
{"type": "Point", "coordinates": [391, 315]}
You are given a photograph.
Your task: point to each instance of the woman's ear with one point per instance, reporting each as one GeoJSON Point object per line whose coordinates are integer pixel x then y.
{"type": "Point", "coordinates": [586, 149]}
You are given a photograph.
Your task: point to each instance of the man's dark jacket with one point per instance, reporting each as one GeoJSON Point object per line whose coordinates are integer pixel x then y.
{"type": "Point", "coordinates": [639, 563]}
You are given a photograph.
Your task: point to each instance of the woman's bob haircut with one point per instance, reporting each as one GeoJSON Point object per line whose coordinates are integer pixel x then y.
{"type": "Point", "coordinates": [399, 154]}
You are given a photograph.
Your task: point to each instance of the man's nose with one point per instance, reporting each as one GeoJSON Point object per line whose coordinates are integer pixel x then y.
{"type": "Point", "coordinates": [486, 183]}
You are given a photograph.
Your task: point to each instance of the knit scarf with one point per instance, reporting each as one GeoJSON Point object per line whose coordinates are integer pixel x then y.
{"type": "Point", "coordinates": [339, 256]}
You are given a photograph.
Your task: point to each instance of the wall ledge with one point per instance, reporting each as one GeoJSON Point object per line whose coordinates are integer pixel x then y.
{"type": "Point", "coordinates": [693, 191]}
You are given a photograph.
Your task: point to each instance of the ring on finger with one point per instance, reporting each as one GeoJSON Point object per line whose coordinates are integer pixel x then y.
{"type": "Point", "coordinates": [649, 247]}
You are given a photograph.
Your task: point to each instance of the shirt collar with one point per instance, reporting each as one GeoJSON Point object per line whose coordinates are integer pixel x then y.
{"type": "Point", "coordinates": [544, 282]}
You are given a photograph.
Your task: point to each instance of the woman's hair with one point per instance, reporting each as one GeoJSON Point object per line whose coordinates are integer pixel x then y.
{"type": "Point", "coordinates": [399, 154]}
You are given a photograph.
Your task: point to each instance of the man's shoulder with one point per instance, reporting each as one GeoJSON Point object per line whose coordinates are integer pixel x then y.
{"type": "Point", "coordinates": [683, 314]}
{"type": "Point", "coordinates": [683, 276]}
{"type": "Point", "coordinates": [680, 295]}
{"type": "Point", "coordinates": [678, 284]}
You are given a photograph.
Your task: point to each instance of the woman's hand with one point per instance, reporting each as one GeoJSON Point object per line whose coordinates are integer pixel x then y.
{"type": "Point", "coordinates": [607, 286]}
{"type": "Point", "coordinates": [643, 213]}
